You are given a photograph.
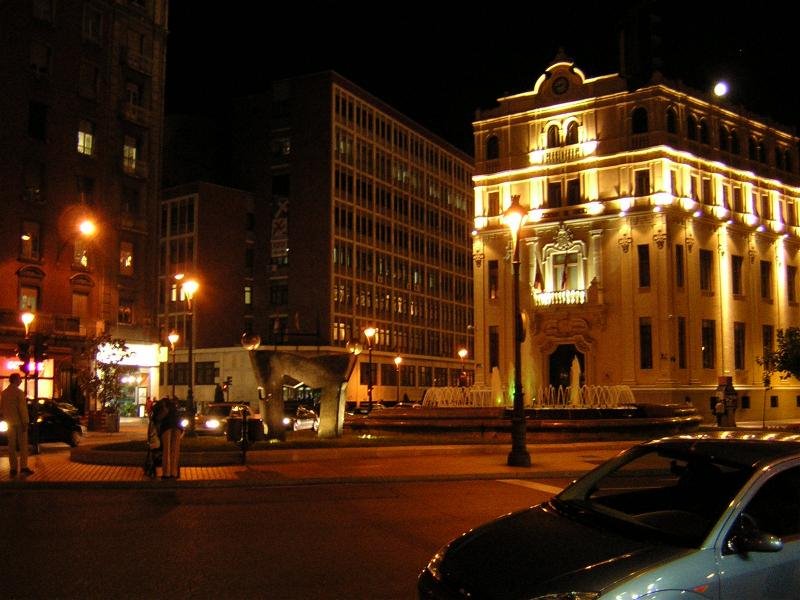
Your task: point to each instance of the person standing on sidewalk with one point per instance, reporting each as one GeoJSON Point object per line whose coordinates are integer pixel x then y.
{"type": "Point", "coordinates": [165, 413]}
{"type": "Point", "coordinates": [14, 411]}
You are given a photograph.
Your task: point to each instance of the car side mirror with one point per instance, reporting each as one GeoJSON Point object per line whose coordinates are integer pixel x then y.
{"type": "Point", "coordinates": [747, 537]}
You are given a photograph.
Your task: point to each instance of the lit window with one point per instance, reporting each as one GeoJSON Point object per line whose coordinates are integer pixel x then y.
{"type": "Point", "coordinates": [80, 254]}
{"type": "Point", "coordinates": [125, 312]}
{"type": "Point", "coordinates": [40, 58]}
{"type": "Point", "coordinates": [248, 295]}
{"type": "Point", "coordinates": [126, 258]}
{"type": "Point", "coordinates": [86, 138]}
{"type": "Point", "coordinates": [129, 154]}
{"type": "Point", "coordinates": [92, 24]}
{"type": "Point", "coordinates": [28, 298]}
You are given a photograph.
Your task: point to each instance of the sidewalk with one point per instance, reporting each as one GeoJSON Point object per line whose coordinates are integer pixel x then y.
{"type": "Point", "coordinates": [53, 468]}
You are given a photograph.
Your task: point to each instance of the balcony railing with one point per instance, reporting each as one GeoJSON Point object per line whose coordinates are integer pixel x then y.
{"type": "Point", "coordinates": [559, 298]}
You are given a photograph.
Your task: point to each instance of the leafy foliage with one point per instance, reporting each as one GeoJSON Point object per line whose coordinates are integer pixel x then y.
{"type": "Point", "coordinates": [102, 379]}
{"type": "Point", "coordinates": [784, 360]}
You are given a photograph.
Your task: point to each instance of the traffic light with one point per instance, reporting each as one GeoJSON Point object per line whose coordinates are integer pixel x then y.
{"type": "Point", "coordinates": [24, 355]}
{"type": "Point", "coordinates": [40, 349]}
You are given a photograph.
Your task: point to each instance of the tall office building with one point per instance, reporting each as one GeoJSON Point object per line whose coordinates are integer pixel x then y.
{"type": "Point", "coordinates": [361, 218]}
{"type": "Point", "coordinates": [82, 109]}
{"type": "Point", "coordinates": [661, 243]}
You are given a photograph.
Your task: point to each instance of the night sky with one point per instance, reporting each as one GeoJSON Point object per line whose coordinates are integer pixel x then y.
{"type": "Point", "coordinates": [437, 62]}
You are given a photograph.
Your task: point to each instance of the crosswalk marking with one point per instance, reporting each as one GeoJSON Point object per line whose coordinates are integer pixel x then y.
{"type": "Point", "coordinates": [541, 487]}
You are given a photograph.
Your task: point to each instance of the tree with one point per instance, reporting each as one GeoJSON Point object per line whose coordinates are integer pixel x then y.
{"type": "Point", "coordinates": [102, 379]}
{"type": "Point", "coordinates": [785, 360]}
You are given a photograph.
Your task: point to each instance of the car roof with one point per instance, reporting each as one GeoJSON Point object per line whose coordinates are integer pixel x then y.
{"type": "Point", "coordinates": [741, 447]}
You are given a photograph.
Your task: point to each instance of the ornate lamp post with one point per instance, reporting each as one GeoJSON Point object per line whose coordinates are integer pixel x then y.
{"type": "Point", "coordinates": [462, 354]}
{"type": "Point", "coordinates": [514, 217]}
{"type": "Point", "coordinates": [369, 333]}
{"type": "Point", "coordinates": [173, 338]}
{"type": "Point", "coordinates": [397, 361]}
{"type": "Point", "coordinates": [189, 289]}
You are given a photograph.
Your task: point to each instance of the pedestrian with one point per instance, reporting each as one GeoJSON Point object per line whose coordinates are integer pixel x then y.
{"type": "Point", "coordinates": [719, 411]}
{"type": "Point", "coordinates": [165, 414]}
{"type": "Point", "coordinates": [14, 411]}
{"type": "Point", "coordinates": [148, 406]}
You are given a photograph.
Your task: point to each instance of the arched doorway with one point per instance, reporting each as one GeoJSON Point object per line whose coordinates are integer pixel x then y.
{"type": "Point", "coordinates": [561, 363]}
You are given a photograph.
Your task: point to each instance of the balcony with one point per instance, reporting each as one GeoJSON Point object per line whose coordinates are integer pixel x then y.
{"type": "Point", "coordinates": [50, 324]}
{"type": "Point", "coordinates": [135, 114]}
{"type": "Point", "coordinates": [137, 61]}
{"type": "Point", "coordinates": [560, 298]}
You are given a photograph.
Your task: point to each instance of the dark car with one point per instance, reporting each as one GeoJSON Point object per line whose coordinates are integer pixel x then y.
{"type": "Point", "coordinates": [213, 419]}
{"type": "Point", "coordinates": [49, 423]}
{"type": "Point", "coordinates": [712, 515]}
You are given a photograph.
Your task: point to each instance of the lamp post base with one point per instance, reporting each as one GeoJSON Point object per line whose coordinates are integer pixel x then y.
{"type": "Point", "coordinates": [519, 458]}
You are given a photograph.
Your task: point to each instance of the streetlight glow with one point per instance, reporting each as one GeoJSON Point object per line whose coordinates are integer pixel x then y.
{"type": "Point", "coordinates": [27, 318]}
{"type": "Point", "coordinates": [397, 361]}
{"type": "Point", "coordinates": [87, 227]}
{"type": "Point", "coordinates": [369, 333]}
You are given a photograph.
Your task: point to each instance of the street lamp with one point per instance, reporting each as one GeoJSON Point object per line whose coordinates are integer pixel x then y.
{"type": "Point", "coordinates": [369, 333]}
{"type": "Point", "coordinates": [462, 354]}
{"type": "Point", "coordinates": [189, 288]}
{"type": "Point", "coordinates": [397, 361]}
{"type": "Point", "coordinates": [173, 338]}
{"type": "Point", "coordinates": [513, 218]}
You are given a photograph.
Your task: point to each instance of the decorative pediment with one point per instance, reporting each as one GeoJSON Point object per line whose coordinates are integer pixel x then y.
{"type": "Point", "coordinates": [81, 280]}
{"type": "Point", "coordinates": [30, 273]}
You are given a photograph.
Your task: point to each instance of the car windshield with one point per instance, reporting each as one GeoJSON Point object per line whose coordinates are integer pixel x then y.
{"type": "Point", "coordinates": [672, 492]}
{"type": "Point", "coordinates": [218, 411]}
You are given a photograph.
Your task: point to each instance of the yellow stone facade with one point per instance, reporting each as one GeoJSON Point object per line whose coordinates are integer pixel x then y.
{"type": "Point", "coordinates": [660, 247]}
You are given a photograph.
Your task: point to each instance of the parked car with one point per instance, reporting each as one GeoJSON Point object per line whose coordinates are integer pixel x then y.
{"type": "Point", "coordinates": [68, 408]}
{"type": "Point", "coordinates": [49, 423]}
{"type": "Point", "coordinates": [214, 417]}
{"type": "Point", "coordinates": [712, 515]}
{"type": "Point", "coordinates": [304, 418]}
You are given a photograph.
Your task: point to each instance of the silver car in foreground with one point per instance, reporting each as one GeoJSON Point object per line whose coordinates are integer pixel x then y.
{"type": "Point", "coordinates": [698, 516]}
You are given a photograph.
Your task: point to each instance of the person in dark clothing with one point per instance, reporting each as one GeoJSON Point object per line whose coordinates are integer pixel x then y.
{"type": "Point", "coordinates": [166, 416]}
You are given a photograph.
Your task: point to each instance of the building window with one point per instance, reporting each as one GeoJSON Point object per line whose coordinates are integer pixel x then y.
{"type": "Point", "coordinates": [492, 148]}
{"type": "Point", "coordinates": [554, 194]}
{"type": "Point", "coordinates": [736, 274]}
{"type": "Point", "coordinates": [129, 154]}
{"type": "Point", "coordinates": [279, 294]}
{"type": "Point", "coordinates": [37, 121]}
{"type": "Point", "coordinates": [708, 349]}
{"type": "Point", "coordinates": [672, 120]}
{"type": "Point", "coordinates": [738, 204]}
{"type": "Point", "coordinates": [80, 254]}
{"type": "Point", "coordinates": [573, 191]}
{"type": "Point", "coordinates": [681, 342]}
{"type": "Point", "coordinates": [572, 133]}
{"type": "Point", "coordinates": [708, 196]}
{"type": "Point", "coordinates": [791, 283]}
{"type": "Point", "coordinates": [641, 186]}
{"type": "Point", "coordinates": [704, 137]}
{"type": "Point", "coordinates": [130, 201]}
{"type": "Point", "coordinates": [30, 240]}
{"type": "Point", "coordinates": [494, 347]}
{"type": "Point", "coordinates": [494, 280]}
{"type": "Point", "coordinates": [369, 376]}
{"type": "Point", "coordinates": [126, 258]}
{"type": "Point", "coordinates": [767, 338]}
{"type": "Point", "coordinates": [706, 270]}
{"type": "Point", "coordinates": [736, 147]}
{"type": "Point", "coordinates": [43, 10]}
{"type": "Point", "coordinates": [41, 57]}
{"type": "Point", "coordinates": [639, 120]}
{"type": "Point", "coordinates": [738, 345]}
{"type": "Point", "coordinates": [205, 373]}
{"type": "Point", "coordinates": [248, 295]}
{"type": "Point", "coordinates": [645, 343]}
{"type": "Point", "coordinates": [552, 136]}
{"type": "Point", "coordinates": [425, 376]}
{"type": "Point", "coordinates": [80, 305]}
{"type": "Point", "coordinates": [766, 280]}
{"type": "Point", "coordinates": [29, 298]}
{"type": "Point", "coordinates": [88, 81]}
{"type": "Point", "coordinates": [691, 127]}
{"type": "Point", "coordinates": [125, 312]}
{"type": "Point", "coordinates": [92, 24]}
{"type": "Point", "coordinates": [494, 203]}
{"type": "Point", "coordinates": [644, 265]}
{"type": "Point", "coordinates": [679, 269]}
{"type": "Point", "coordinates": [766, 207]}
{"type": "Point", "coordinates": [565, 270]}
{"type": "Point", "coordinates": [86, 138]}
{"type": "Point", "coordinates": [724, 138]}
{"type": "Point", "coordinates": [86, 190]}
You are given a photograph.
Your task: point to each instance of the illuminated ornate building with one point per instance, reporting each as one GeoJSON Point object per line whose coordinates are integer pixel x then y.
{"type": "Point", "coordinates": [82, 109]}
{"type": "Point", "coordinates": [661, 242]}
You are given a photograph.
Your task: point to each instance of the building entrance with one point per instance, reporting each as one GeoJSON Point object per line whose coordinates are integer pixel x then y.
{"type": "Point", "coordinates": [561, 365]}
